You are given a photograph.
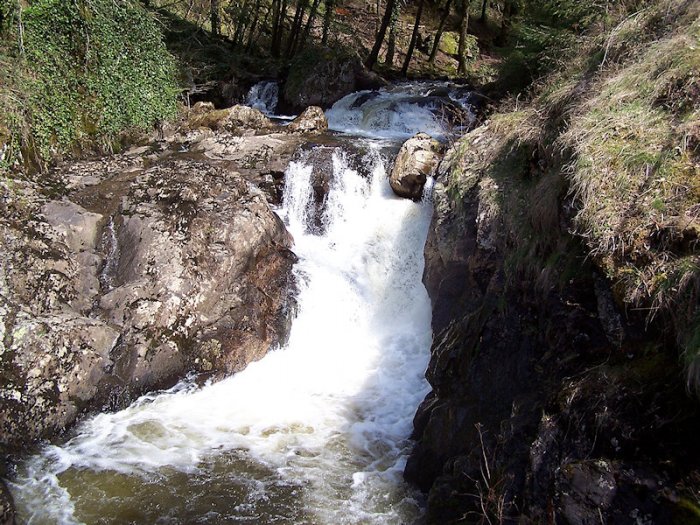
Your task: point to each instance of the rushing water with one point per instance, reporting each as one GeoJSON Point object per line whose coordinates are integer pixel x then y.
{"type": "Point", "coordinates": [317, 431]}
{"type": "Point", "coordinates": [264, 96]}
{"type": "Point", "coordinates": [400, 111]}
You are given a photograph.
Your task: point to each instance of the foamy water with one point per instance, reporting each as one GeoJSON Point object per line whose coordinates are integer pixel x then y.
{"type": "Point", "coordinates": [316, 432]}
{"type": "Point", "coordinates": [400, 111]}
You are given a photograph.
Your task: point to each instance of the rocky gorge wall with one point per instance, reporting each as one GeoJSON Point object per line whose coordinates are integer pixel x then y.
{"type": "Point", "coordinates": [562, 265]}
{"type": "Point", "coordinates": [539, 412]}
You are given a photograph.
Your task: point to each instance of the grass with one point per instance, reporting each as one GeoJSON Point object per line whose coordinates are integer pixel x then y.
{"type": "Point", "coordinates": [607, 144]}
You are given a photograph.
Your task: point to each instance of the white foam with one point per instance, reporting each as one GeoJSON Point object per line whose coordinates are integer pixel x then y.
{"type": "Point", "coordinates": [397, 112]}
{"type": "Point", "coordinates": [331, 411]}
{"type": "Point", "coordinates": [264, 96]}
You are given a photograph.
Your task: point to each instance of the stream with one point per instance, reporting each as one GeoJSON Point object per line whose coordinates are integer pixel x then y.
{"type": "Point", "coordinates": [318, 431]}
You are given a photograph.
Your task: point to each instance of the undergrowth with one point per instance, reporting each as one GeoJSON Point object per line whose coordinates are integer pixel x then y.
{"type": "Point", "coordinates": [77, 74]}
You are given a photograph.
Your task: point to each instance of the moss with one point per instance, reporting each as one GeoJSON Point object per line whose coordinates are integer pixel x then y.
{"type": "Point", "coordinates": [687, 512]}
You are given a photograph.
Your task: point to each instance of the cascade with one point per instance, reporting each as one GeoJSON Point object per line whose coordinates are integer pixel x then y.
{"type": "Point", "coordinates": [315, 432]}
{"type": "Point", "coordinates": [264, 96]}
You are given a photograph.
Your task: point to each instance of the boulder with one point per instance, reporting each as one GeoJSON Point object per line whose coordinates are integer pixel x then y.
{"type": "Point", "coordinates": [320, 78]}
{"type": "Point", "coordinates": [134, 279]}
{"type": "Point", "coordinates": [312, 120]}
{"type": "Point", "coordinates": [449, 43]}
{"type": "Point", "coordinates": [238, 119]}
{"type": "Point", "coordinates": [416, 161]}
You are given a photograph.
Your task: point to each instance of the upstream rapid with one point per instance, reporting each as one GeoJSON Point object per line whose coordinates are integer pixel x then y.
{"type": "Point", "coordinates": [317, 431]}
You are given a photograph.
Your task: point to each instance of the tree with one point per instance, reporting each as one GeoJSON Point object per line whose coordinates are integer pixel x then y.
{"type": "Point", "coordinates": [510, 8]}
{"type": "Point", "coordinates": [278, 16]}
{"type": "Point", "coordinates": [215, 19]}
{"type": "Point", "coordinates": [414, 38]}
{"type": "Point", "coordinates": [327, 19]}
{"type": "Point", "coordinates": [309, 23]}
{"type": "Point", "coordinates": [386, 19]}
{"type": "Point", "coordinates": [391, 44]}
{"type": "Point", "coordinates": [440, 29]}
{"type": "Point", "coordinates": [253, 25]}
{"type": "Point", "coordinates": [484, 4]}
{"type": "Point", "coordinates": [295, 30]}
{"type": "Point", "coordinates": [463, 32]}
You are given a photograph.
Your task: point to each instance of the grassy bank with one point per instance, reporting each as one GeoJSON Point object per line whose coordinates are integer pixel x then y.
{"type": "Point", "coordinates": [606, 146]}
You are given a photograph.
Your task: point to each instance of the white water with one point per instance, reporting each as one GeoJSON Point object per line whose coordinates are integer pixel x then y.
{"type": "Point", "coordinates": [264, 96]}
{"type": "Point", "coordinates": [400, 111]}
{"type": "Point", "coordinates": [316, 432]}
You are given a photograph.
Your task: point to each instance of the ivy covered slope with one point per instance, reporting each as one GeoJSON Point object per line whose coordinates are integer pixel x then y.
{"type": "Point", "coordinates": [75, 75]}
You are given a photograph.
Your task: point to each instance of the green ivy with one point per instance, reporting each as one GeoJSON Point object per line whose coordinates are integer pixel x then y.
{"type": "Point", "coordinates": [94, 68]}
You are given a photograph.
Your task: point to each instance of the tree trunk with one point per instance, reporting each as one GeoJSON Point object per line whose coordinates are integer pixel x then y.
{"type": "Point", "coordinates": [462, 49]}
{"type": "Point", "coordinates": [391, 46]}
{"type": "Point", "coordinates": [296, 27]}
{"type": "Point", "coordinates": [441, 28]}
{"type": "Point", "coordinates": [274, 50]}
{"type": "Point", "coordinates": [509, 9]}
{"type": "Point", "coordinates": [241, 23]}
{"type": "Point", "coordinates": [215, 20]}
{"type": "Point", "coordinates": [484, 4]}
{"type": "Point", "coordinates": [253, 26]}
{"type": "Point", "coordinates": [309, 24]}
{"type": "Point", "coordinates": [327, 20]}
{"type": "Point", "coordinates": [374, 54]}
{"type": "Point", "coordinates": [279, 28]}
{"type": "Point", "coordinates": [414, 38]}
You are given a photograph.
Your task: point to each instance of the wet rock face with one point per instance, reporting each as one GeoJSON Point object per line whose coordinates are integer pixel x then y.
{"type": "Point", "coordinates": [190, 273]}
{"type": "Point", "coordinates": [542, 410]}
{"type": "Point", "coordinates": [416, 161]}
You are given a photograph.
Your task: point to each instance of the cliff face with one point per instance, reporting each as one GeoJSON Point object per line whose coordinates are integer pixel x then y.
{"type": "Point", "coordinates": [541, 408]}
{"type": "Point", "coordinates": [558, 313]}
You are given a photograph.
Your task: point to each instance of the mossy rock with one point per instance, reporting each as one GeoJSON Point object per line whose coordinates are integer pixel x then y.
{"type": "Point", "coordinates": [449, 43]}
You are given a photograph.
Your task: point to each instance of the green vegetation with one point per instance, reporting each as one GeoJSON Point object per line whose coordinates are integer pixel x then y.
{"type": "Point", "coordinates": [75, 75]}
{"type": "Point", "coordinates": [607, 145]}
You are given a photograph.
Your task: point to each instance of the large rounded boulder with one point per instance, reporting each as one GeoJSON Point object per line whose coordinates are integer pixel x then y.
{"type": "Point", "coordinates": [416, 161]}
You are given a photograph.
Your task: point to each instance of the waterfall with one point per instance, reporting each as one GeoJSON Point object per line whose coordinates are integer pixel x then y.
{"type": "Point", "coordinates": [315, 432]}
{"type": "Point", "coordinates": [264, 96]}
{"type": "Point", "coordinates": [400, 111]}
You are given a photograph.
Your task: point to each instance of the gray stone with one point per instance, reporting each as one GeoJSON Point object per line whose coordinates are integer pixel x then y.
{"type": "Point", "coordinates": [416, 161]}
{"type": "Point", "coordinates": [311, 120]}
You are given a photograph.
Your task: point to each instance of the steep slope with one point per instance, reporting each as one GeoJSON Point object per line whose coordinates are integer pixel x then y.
{"type": "Point", "coordinates": [563, 269]}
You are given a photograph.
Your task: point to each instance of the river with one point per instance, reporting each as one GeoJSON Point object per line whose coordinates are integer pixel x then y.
{"type": "Point", "coordinates": [316, 432]}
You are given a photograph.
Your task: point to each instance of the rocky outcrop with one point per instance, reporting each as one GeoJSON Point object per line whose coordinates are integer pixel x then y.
{"type": "Point", "coordinates": [544, 408]}
{"type": "Point", "coordinates": [7, 509]}
{"type": "Point", "coordinates": [416, 161]}
{"type": "Point", "coordinates": [131, 280]}
{"type": "Point", "coordinates": [311, 120]}
{"type": "Point", "coordinates": [236, 119]}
